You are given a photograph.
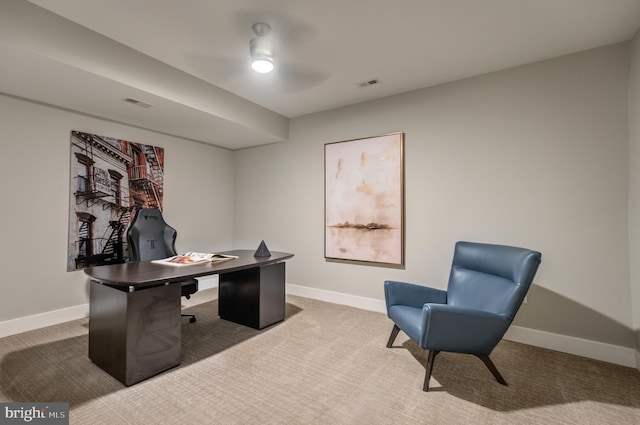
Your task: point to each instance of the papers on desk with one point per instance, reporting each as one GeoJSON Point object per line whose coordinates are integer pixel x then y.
{"type": "Point", "coordinates": [191, 258]}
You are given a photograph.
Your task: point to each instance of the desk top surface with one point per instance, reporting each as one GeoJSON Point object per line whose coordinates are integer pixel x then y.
{"type": "Point", "coordinates": [146, 273]}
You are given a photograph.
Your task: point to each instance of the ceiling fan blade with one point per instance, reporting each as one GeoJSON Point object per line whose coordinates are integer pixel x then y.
{"type": "Point", "coordinates": [217, 70]}
{"type": "Point", "coordinates": [293, 78]}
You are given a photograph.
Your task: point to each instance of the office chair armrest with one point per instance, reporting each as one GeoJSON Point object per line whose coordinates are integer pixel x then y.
{"type": "Point", "coordinates": [461, 330]}
{"type": "Point", "coordinates": [411, 294]}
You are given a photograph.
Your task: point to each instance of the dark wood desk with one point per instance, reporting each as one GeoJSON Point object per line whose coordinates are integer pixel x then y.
{"type": "Point", "coordinates": [134, 309]}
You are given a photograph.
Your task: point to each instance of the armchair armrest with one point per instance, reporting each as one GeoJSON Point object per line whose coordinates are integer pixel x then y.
{"type": "Point", "coordinates": [461, 330]}
{"type": "Point", "coordinates": [410, 294]}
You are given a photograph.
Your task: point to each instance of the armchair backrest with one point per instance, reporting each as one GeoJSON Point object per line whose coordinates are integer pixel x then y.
{"type": "Point", "coordinates": [492, 278]}
{"type": "Point", "coordinates": [150, 237]}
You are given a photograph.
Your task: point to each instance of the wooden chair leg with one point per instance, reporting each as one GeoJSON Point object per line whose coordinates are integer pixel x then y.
{"type": "Point", "coordinates": [392, 337]}
{"type": "Point", "coordinates": [427, 377]}
{"type": "Point", "coordinates": [492, 367]}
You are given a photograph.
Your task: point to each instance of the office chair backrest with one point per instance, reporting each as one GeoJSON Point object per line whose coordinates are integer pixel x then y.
{"type": "Point", "coordinates": [492, 278]}
{"type": "Point", "coordinates": [149, 237]}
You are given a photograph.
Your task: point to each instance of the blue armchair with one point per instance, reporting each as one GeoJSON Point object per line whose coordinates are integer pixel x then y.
{"type": "Point", "coordinates": [487, 285]}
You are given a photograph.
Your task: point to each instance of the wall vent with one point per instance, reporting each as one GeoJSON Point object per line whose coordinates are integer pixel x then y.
{"type": "Point", "coordinates": [369, 82]}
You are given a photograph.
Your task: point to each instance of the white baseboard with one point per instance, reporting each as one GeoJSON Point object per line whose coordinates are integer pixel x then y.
{"type": "Point", "coordinates": [41, 320]}
{"type": "Point", "coordinates": [617, 354]}
{"type": "Point", "coordinates": [337, 298]}
{"type": "Point", "coordinates": [624, 356]}
{"type": "Point", "coordinates": [207, 282]}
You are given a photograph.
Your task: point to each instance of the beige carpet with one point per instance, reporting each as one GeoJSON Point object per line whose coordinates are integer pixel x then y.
{"type": "Point", "coordinates": [326, 364]}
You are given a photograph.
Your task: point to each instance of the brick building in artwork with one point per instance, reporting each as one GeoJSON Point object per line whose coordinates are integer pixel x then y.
{"type": "Point", "coordinates": [110, 180]}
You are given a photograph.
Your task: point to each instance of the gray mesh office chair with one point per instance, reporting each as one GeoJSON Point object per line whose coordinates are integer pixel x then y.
{"type": "Point", "coordinates": [151, 238]}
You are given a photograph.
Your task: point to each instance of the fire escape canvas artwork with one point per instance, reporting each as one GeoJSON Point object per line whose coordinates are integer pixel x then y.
{"type": "Point", "coordinates": [110, 180]}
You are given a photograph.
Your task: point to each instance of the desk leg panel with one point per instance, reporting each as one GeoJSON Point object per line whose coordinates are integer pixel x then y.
{"type": "Point", "coordinates": [134, 335]}
{"type": "Point", "coordinates": [272, 294]}
{"type": "Point", "coordinates": [253, 297]}
{"type": "Point", "coordinates": [108, 329]}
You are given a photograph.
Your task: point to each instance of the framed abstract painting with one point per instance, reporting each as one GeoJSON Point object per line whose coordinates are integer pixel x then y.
{"type": "Point", "coordinates": [364, 200]}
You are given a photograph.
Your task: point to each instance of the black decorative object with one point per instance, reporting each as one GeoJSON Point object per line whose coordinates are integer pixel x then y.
{"type": "Point", "coordinates": [262, 251]}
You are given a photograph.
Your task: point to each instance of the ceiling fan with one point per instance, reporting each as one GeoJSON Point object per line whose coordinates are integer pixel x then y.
{"type": "Point", "coordinates": [270, 48]}
{"type": "Point", "coordinates": [261, 48]}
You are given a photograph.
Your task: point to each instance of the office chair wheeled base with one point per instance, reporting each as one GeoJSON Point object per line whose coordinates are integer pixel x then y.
{"type": "Point", "coordinates": [432, 357]}
{"type": "Point", "coordinates": [192, 317]}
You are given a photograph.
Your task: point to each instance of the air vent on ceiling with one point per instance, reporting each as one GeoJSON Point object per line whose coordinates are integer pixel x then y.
{"type": "Point", "coordinates": [138, 102]}
{"type": "Point", "coordinates": [369, 82]}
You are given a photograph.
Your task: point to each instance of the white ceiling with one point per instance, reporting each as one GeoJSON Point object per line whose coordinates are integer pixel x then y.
{"type": "Point", "coordinates": [323, 50]}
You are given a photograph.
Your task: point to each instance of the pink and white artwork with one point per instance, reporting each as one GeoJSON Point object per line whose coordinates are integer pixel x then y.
{"type": "Point", "coordinates": [364, 200]}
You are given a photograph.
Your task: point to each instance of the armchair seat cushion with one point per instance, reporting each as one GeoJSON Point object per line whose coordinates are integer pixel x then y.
{"type": "Point", "coordinates": [408, 319]}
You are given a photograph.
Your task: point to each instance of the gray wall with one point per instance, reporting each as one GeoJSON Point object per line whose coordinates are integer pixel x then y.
{"type": "Point", "coordinates": [534, 156]}
{"type": "Point", "coordinates": [634, 189]}
{"type": "Point", "coordinates": [34, 183]}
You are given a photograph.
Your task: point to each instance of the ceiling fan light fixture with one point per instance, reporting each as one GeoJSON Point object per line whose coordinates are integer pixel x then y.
{"type": "Point", "coordinates": [262, 66]}
{"type": "Point", "coordinates": [261, 49]}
